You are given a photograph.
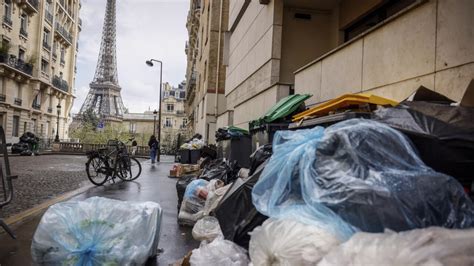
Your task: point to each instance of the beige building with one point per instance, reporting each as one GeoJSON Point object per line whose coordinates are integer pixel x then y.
{"type": "Point", "coordinates": [37, 65]}
{"type": "Point", "coordinates": [330, 47]}
{"type": "Point", "coordinates": [140, 125]}
{"type": "Point", "coordinates": [207, 23]}
{"type": "Point", "coordinates": [174, 120]}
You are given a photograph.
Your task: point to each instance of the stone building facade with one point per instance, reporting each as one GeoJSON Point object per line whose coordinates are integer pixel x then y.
{"type": "Point", "coordinates": [38, 65]}
{"type": "Point", "coordinates": [207, 24]}
{"type": "Point", "coordinates": [330, 47]}
{"type": "Point", "coordinates": [174, 120]}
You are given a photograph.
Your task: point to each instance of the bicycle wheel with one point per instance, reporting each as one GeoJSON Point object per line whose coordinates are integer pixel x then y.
{"type": "Point", "coordinates": [129, 169]}
{"type": "Point", "coordinates": [97, 170]}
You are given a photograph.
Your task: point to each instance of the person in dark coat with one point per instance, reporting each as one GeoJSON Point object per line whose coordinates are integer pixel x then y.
{"type": "Point", "coordinates": [154, 146]}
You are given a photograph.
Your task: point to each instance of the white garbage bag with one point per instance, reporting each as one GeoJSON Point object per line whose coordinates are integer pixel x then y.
{"type": "Point", "coordinates": [289, 242]}
{"type": "Point", "coordinates": [207, 229]}
{"type": "Point", "coordinates": [97, 231]}
{"type": "Point", "coordinates": [429, 246]}
{"type": "Point", "coordinates": [219, 252]}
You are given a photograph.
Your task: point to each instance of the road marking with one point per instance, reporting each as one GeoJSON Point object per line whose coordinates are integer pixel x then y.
{"type": "Point", "coordinates": [22, 216]}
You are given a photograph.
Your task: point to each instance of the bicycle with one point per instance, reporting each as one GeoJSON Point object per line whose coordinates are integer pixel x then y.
{"type": "Point", "coordinates": [112, 162]}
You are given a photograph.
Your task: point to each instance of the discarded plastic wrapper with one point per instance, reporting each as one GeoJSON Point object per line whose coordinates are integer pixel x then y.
{"type": "Point", "coordinates": [192, 207]}
{"type": "Point", "coordinates": [288, 242]}
{"type": "Point", "coordinates": [97, 231]}
{"type": "Point", "coordinates": [219, 252]}
{"type": "Point", "coordinates": [429, 246]}
{"type": "Point", "coordinates": [357, 174]}
{"type": "Point", "coordinates": [207, 229]}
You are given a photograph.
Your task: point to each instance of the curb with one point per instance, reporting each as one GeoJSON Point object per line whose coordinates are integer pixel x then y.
{"type": "Point", "coordinates": [30, 213]}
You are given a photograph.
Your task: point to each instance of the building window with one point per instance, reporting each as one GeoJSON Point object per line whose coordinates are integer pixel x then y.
{"type": "Point", "coordinates": [8, 11]}
{"type": "Point", "coordinates": [375, 17]}
{"type": "Point", "coordinates": [46, 34]}
{"type": "Point", "coordinates": [16, 126]}
{"type": "Point", "coordinates": [133, 127]}
{"type": "Point", "coordinates": [44, 66]}
{"type": "Point", "coordinates": [182, 95]}
{"type": "Point", "coordinates": [63, 54]}
{"type": "Point", "coordinates": [172, 93]}
{"type": "Point", "coordinates": [24, 25]}
{"type": "Point", "coordinates": [21, 54]}
{"type": "Point", "coordinates": [170, 108]}
{"type": "Point", "coordinates": [168, 122]}
{"type": "Point", "coordinates": [185, 122]}
{"type": "Point", "coordinates": [25, 127]}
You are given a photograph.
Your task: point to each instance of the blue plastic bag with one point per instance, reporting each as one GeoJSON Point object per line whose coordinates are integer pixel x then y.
{"type": "Point", "coordinates": [357, 175]}
{"type": "Point", "coordinates": [97, 231]}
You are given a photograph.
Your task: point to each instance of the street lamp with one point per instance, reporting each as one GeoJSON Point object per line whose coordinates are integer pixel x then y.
{"type": "Point", "coordinates": [57, 131]}
{"type": "Point", "coordinates": [150, 64]}
{"type": "Point", "coordinates": [154, 121]}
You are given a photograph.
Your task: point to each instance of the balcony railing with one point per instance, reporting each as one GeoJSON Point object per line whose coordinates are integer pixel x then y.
{"type": "Point", "coordinates": [23, 32]}
{"type": "Point", "coordinates": [16, 63]}
{"type": "Point", "coordinates": [17, 101]}
{"type": "Point", "coordinates": [49, 17]}
{"type": "Point", "coordinates": [34, 3]}
{"type": "Point", "coordinates": [36, 106]}
{"type": "Point", "coordinates": [47, 46]}
{"type": "Point", "coordinates": [63, 33]}
{"type": "Point", "coordinates": [8, 20]}
{"type": "Point", "coordinates": [50, 110]}
{"type": "Point", "coordinates": [60, 84]}
{"type": "Point", "coordinates": [3, 97]}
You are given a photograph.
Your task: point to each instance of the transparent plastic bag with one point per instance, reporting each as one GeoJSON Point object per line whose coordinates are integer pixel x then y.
{"type": "Point", "coordinates": [288, 242]}
{"type": "Point", "coordinates": [429, 246]}
{"type": "Point", "coordinates": [207, 229]}
{"type": "Point", "coordinates": [97, 231]}
{"type": "Point", "coordinates": [357, 174]}
{"type": "Point", "coordinates": [219, 252]}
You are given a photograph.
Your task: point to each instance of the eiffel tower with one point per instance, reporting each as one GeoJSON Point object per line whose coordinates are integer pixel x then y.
{"type": "Point", "coordinates": [104, 95]}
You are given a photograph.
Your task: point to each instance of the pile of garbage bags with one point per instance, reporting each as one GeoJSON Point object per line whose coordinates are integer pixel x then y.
{"type": "Point", "coordinates": [353, 193]}
{"type": "Point", "coordinates": [27, 146]}
{"type": "Point", "coordinates": [194, 144]}
{"type": "Point", "coordinates": [97, 231]}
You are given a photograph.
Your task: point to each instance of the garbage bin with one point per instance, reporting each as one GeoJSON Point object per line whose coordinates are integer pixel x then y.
{"type": "Point", "coordinates": [236, 149]}
{"type": "Point", "coordinates": [263, 134]}
{"type": "Point", "coordinates": [189, 156]}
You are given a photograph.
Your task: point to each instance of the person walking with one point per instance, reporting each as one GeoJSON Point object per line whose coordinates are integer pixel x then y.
{"type": "Point", "coordinates": [134, 147]}
{"type": "Point", "coordinates": [154, 145]}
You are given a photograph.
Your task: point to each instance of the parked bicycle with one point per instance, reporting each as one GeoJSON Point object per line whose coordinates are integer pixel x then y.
{"type": "Point", "coordinates": [111, 162]}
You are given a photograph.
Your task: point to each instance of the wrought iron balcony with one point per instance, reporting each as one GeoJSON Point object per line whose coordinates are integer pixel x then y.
{"type": "Point", "coordinates": [17, 101]}
{"type": "Point", "coordinates": [3, 97]}
{"type": "Point", "coordinates": [47, 45]}
{"type": "Point", "coordinates": [60, 84]}
{"type": "Point", "coordinates": [50, 110]}
{"type": "Point", "coordinates": [13, 61]}
{"type": "Point", "coordinates": [36, 106]}
{"type": "Point", "coordinates": [8, 20]}
{"type": "Point", "coordinates": [30, 6]}
{"type": "Point", "coordinates": [49, 17]}
{"type": "Point", "coordinates": [63, 33]}
{"type": "Point", "coordinates": [23, 32]}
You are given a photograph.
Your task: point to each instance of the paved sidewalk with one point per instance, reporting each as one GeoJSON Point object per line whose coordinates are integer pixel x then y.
{"type": "Point", "coordinates": [152, 185]}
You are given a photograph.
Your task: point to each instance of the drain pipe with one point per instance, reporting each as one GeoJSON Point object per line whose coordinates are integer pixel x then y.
{"type": "Point", "coordinates": [218, 62]}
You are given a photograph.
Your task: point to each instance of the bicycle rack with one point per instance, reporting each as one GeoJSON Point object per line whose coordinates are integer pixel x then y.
{"type": "Point", "coordinates": [6, 180]}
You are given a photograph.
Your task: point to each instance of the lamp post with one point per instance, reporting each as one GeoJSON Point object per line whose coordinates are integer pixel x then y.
{"type": "Point", "coordinates": [58, 108]}
{"type": "Point", "coordinates": [150, 64]}
{"type": "Point", "coordinates": [154, 121]}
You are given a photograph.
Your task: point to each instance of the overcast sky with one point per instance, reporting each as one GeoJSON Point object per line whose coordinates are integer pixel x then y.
{"type": "Point", "coordinates": [145, 29]}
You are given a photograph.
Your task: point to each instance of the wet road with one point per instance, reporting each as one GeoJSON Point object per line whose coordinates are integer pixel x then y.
{"type": "Point", "coordinates": [153, 185]}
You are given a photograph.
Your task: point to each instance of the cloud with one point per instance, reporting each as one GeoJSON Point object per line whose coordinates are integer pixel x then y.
{"type": "Point", "coordinates": [145, 29]}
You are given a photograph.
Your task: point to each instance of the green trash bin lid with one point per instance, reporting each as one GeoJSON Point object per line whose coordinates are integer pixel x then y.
{"type": "Point", "coordinates": [283, 108]}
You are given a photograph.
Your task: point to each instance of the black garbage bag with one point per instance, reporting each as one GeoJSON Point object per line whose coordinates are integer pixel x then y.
{"type": "Point", "coordinates": [29, 137]}
{"type": "Point", "coordinates": [442, 134]}
{"type": "Point", "coordinates": [236, 214]}
{"type": "Point", "coordinates": [18, 148]}
{"type": "Point", "coordinates": [259, 156]}
{"type": "Point", "coordinates": [218, 169]}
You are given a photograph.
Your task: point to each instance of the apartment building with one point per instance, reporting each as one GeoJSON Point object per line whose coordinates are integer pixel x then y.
{"type": "Point", "coordinates": [174, 120]}
{"type": "Point", "coordinates": [38, 66]}
{"type": "Point", "coordinates": [330, 47]}
{"type": "Point", "coordinates": [207, 23]}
